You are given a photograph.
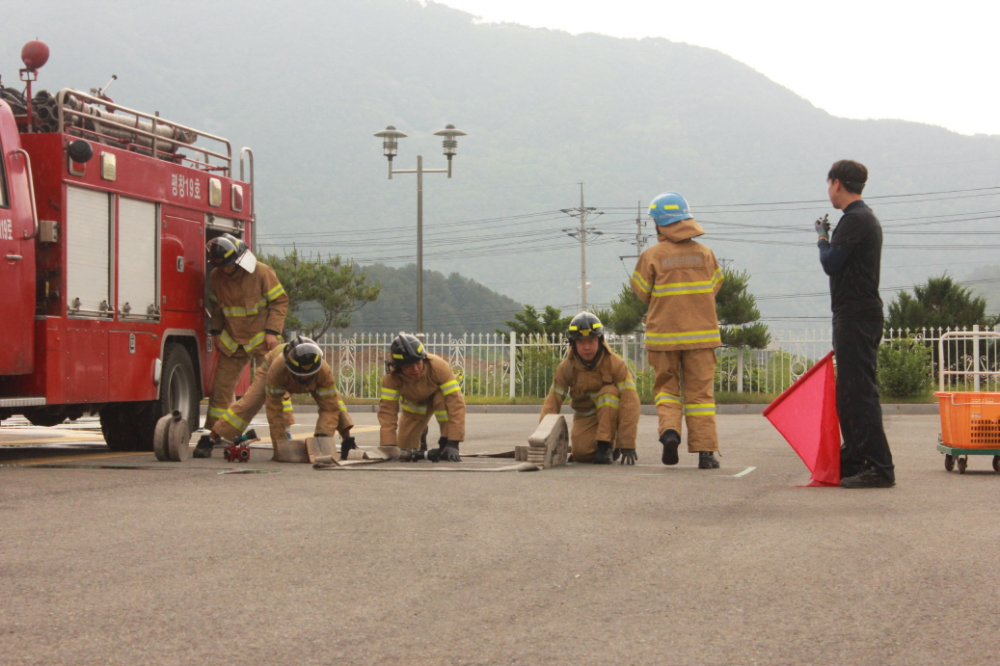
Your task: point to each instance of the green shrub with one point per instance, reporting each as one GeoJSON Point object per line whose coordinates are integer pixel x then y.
{"type": "Point", "coordinates": [904, 369]}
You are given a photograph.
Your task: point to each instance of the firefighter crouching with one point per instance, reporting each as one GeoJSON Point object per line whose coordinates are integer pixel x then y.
{"type": "Point", "coordinates": [248, 312]}
{"type": "Point", "coordinates": [602, 394]}
{"type": "Point", "coordinates": [300, 368]}
{"type": "Point", "coordinates": [237, 418]}
{"type": "Point", "coordinates": [679, 278]}
{"type": "Point", "coordinates": [422, 385]}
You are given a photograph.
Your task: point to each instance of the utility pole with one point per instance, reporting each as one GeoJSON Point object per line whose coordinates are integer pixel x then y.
{"type": "Point", "coordinates": [582, 235]}
{"type": "Point", "coordinates": [640, 239]}
{"type": "Point", "coordinates": [724, 264]}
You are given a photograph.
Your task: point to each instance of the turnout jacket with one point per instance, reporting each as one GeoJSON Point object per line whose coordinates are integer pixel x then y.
{"type": "Point", "coordinates": [323, 388]}
{"type": "Point", "coordinates": [414, 397]}
{"type": "Point", "coordinates": [581, 385]}
{"type": "Point", "coordinates": [245, 307]}
{"type": "Point", "coordinates": [679, 278]}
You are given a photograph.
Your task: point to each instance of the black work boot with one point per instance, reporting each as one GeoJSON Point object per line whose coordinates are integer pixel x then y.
{"type": "Point", "coordinates": [869, 477]}
{"type": "Point", "coordinates": [603, 454]}
{"type": "Point", "coordinates": [707, 460]}
{"type": "Point", "coordinates": [670, 439]}
{"type": "Point", "coordinates": [204, 447]}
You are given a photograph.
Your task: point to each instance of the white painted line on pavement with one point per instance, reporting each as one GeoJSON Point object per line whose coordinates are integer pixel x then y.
{"type": "Point", "coordinates": [744, 472]}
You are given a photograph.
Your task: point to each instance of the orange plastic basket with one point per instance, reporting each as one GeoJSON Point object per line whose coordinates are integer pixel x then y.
{"type": "Point", "coordinates": [970, 420]}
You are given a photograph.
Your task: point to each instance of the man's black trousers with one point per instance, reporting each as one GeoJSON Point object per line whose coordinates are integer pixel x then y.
{"type": "Point", "coordinates": [855, 344]}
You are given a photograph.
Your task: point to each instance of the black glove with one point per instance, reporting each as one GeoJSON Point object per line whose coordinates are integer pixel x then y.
{"type": "Point", "coordinates": [823, 227]}
{"type": "Point", "coordinates": [628, 457]}
{"type": "Point", "coordinates": [449, 452]}
{"type": "Point", "coordinates": [346, 445]}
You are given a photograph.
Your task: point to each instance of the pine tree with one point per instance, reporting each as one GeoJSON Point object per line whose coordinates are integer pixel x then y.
{"type": "Point", "coordinates": [738, 315]}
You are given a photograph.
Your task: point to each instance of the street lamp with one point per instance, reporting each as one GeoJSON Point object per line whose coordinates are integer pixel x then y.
{"type": "Point", "coordinates": [390, 143]}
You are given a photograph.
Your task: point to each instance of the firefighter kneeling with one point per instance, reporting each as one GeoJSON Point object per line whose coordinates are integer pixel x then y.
{"type": "Point", "coordinates": [301, 369]}
{"type": "Point", "coordinates": [602, 393]}
{"type": "Point", "coordinates": [423, 385]}
{"type": "Point", "coordinates": [237, 418]}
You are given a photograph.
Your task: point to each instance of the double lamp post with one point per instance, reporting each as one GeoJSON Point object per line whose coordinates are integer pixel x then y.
{"type": "Point", "coordinates": [390, 142]}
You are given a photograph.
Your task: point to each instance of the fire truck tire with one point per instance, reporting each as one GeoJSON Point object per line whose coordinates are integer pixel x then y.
{"type": "Point", "coordinates": [117, 426]}
{"type": "Point", "coordinates": [130, 426]}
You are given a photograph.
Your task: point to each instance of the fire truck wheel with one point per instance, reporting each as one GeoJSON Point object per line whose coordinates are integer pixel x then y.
{"type": "Point", "coordinates": [178, 392]}
{"type": "Point", "coordinates": [117, 426]}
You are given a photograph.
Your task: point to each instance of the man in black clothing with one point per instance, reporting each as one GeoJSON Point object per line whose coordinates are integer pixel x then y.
{"type": "Point", "coordinates": [852, 258]}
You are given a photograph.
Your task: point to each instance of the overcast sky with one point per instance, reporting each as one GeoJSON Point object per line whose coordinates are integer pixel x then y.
{"type": "Point", "coordinates": [935, 64]}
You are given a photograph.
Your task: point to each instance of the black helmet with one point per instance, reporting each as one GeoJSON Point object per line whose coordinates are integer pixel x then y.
{"type": "Point", "coordinates": [225, 250]}
{"type": "Point", "coordinates": [585, 325]}
{"type": "Point", "coordinates": [303, 358]}
{"type": "Point", "coordinates": [406, 350]}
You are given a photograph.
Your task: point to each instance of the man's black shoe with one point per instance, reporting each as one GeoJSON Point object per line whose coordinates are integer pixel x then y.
{"type": "Point", "coordinates": [867, 478]}
{"type": "Point", "coordinates": [603, 454]}
{"type": "Point", "coordinates": [707, 460]}
{"type": "Point", "coordinates": [670, 439]}
{"type": "Point", "coordinates": [204, 447]}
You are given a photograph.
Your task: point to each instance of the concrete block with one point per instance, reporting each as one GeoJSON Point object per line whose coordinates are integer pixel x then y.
{"type": "Point", "coordinates": [552, 436]}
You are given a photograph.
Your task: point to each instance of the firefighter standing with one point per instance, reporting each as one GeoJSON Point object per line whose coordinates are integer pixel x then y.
{"type": "Point", "coordinates": [422, 385]}
{"type": "Point", "coordinates": [679, 278]}
{"type": "Point", "coordinates": [248, 312]}
{"type": "Point", "coordinates": [300, 368]}
{"type": "Point", "coordinates": [602, 393]}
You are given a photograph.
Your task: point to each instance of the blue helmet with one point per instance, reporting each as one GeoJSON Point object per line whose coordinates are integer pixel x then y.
{"type": "Point", "coordinates": [668, 208]}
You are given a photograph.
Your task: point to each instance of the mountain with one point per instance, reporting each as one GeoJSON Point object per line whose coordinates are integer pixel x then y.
{"type": "Point", "coordinates": [307, 83]}
{"type": "Point", "coordinates": [452, 304]}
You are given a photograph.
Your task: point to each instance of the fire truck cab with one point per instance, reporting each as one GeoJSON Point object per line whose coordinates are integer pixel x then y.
{"type": "Point", "coordinates": [104, 216]}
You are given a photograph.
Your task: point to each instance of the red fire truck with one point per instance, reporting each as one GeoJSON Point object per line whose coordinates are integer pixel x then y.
{"type": "Point", "coordinates": [104, 216]}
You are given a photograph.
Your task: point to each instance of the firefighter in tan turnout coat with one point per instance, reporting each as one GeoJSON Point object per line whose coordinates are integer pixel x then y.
{"type": "Point", "coordinates": [301, 369]}
{"type": "Point", "coordinates": [248, 306]}
{"type": "Point", "coordinates": [679, 278]}
{"type": "Point", "coordinates": [421, 385]}
{"type": "Point", "coordinates": [602, 394]}
{"type": "Point", "coordinates": [237, 418]}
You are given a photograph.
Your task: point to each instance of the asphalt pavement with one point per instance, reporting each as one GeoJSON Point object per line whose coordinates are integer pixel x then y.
{"type": "Point", "coordinates": [110, 558]}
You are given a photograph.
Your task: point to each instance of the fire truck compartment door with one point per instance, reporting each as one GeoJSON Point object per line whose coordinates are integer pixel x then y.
{"type": "Point", "coordinates": [138, 267]}
{"type": "Point", "coordinates": [88, 252]}
{"type": "Point", "coordinates": [17, 254]}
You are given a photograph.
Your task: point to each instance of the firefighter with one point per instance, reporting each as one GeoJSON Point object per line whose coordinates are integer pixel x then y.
{"type": "Point", "coordinates": [423, 385]}
{"type": "Point", "coordinates": [678, 278]}
{"type": "Point", "coordinates": [300, 368]}
{"type": "Point", "coordinates": [248, 312]}
{"type": "Point", "coordinates": [602, 393]}
{"type": "Point", "coordinates": [237, 418]}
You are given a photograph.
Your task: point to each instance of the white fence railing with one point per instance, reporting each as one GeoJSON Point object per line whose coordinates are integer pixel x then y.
{"type": "Point", "coordinates": [502, 366]}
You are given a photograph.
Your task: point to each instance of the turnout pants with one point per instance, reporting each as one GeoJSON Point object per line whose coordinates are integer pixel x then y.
{"type": "Point", "coordinates": [414, 417]}
{"type": "Point", "coordinates": [227, 373]}
{"type": "Point", "coordinates": [684, 391]}
{"type": "Point", "coordinates": [237, 418]}
{"type": "Point", "coordinates": [597, 424]}
{"type": "Point", "coordinates": [855, 344]}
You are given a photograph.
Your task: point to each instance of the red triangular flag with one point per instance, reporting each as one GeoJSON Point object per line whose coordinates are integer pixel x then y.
{"type": "Point", "coordinates": [806, 416]}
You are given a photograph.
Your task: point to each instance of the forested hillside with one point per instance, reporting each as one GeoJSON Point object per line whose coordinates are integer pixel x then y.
{"type": "Point", "coordinates": [452, 303]}
{"type": "Point", "coordinates": [307, 84]}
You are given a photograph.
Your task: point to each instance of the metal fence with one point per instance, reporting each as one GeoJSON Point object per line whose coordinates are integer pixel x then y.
{"type": "Point", "coordinates": [500, 366]}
